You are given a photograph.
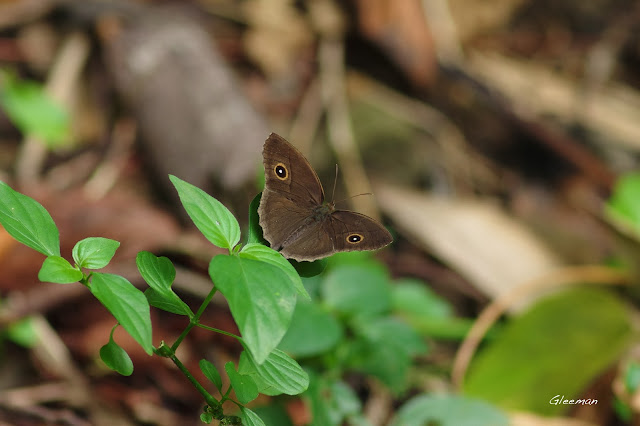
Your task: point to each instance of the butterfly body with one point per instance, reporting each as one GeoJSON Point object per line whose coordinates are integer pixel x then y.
{"type": "Point", "coordinates": [297, 221]}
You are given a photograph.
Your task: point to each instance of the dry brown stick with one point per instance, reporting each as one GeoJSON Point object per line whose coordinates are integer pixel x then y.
{"type": "Point", "coordinates": [379, 405]}
{"type": "Point", "coordinates": [307, 120]}
{"type": "Point", "coordinates": [106, 175]}
{"type": "Point", "coordinates": [18, 12]}
{"type": "Point", "coordinates": [332, 77]}
{"type": "Point", "coordinates": [61, 84]}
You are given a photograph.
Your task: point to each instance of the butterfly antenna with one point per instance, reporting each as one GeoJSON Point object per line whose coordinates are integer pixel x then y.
{"type": "Point", "coordinates": [333, 195]}
{"type": "Point", "coordinates": [335, 181]}
{"type": "Point", "coordinates": [353, 196]}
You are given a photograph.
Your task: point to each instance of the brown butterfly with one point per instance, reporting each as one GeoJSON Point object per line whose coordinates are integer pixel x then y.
{"type": "Point", "coordinates": [297, 221]}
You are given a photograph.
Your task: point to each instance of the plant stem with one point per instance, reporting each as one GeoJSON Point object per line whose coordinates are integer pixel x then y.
{"type": "Point", "coordinates": [196, 318]}
{"type": "Point", "coordinates": [206, 395]}
{"type": "Point", "coordinates": [217, 330]}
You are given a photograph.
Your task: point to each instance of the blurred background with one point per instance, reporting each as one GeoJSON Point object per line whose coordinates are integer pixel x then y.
{"type": "Point", "coordinates": [499, 139]}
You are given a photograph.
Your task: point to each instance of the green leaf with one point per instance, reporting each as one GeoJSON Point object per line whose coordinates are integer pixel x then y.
{"type": "Point", "coordinates": [557, 347]}
{"type": "Point", "coordinates": [209, 215]}
{"type": "Point", "coordinates": [385, 350]}
{"type": "Point", "coordinates": [23, 332]}
{"type": "Point", "coordinates": [249, 418]}
{"type": "Point", "coordinates": [211, 372]}
{"type": "Point", "coordinates": [255, 231]}
{"type": "Point", "coordinates": [273, 414]}
{"type": "Point", "coordinates": [448, 410]}
{"type": "Point", "coordinates": [331, 401]}
{"type": "Point", "coordinates": [313, 331]}
{"type": "Point", "coordinates": [116, 358]}
{"type": "Point", "coordinates": [33, 111]}
{"type": "Point", "coordinates": [415, 299]}
{"type": "Point", "coordinates": [127, 304]}
{"type": "Point", "coordinates": [206, 418]}
{"type": "Point", "coordinates": [28, 222]}
{"type": "Point", "coordinates": [244, 386]}
{"type": "Point", "coordinates": [261, 298]}
{"type": "Point", "coordinates": [632, 377]}
{"type": "Point", "coordinates": [426, 312]}
{"type": "Point", "coordinates": [168, 302]}
{"type": "Point", "coordinates": [279, 373]}
{"type": "Point", "coordinates": [56, 269]}
{"type": "Point", "coordinates": [358, 290]}
{"type": "Point", "coordinates": [310, 269]}
{"type": "Point", "coordinates": [623, 208]}
{"type": "Point", "coordinates": [160, 273]}
{"type": "Point", "coordinates": [345, 401]}
{"type": "Point", "coordinates": [390, 331]}
{"type": "Point", "coordinates": [266, 254]}
{"type": "Point", "coordinates": [94, 252]}
{"type": "Point", "coordinates": [385, 361]}
{"type": "Point", "coordinates": [354, 258]}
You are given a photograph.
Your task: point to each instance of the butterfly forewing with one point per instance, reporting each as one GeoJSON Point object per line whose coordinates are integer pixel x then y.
{"type": "Point", "coordinates": [288, 173]}
{"type": "Point", "coordinates": [285, 217]}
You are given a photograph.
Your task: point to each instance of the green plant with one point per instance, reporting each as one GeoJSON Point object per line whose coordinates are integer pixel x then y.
{"type": "Point", "coordinates": [260, 286]}
{"type": "Point", "coordinates": [358, 320]}
{"type": "Point", "coordinates": [354, 324]}
{"type": "Point", "coordinates": [32, 110]}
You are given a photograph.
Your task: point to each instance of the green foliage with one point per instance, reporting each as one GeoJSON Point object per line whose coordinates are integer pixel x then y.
{"type": "Point", "coordinates": [28, 222]}
{"type": "Point", "coordinates": [632, 377]}
{"type": "Point", "coordinates": [414, 299]}
{"type": "Point", "coordinates": [265, 254]}
{"type": "Point", "coordinates": [357, 290]}
{"type": "Point", "coordinates": [249, 418]}
{"type": "Point", "coordinates": [56, 269]}
{"type": "Point", "coordinates": [94, 252]}
{"type": "Point", "coordinates": [212, 218]}
{"type": "Point", "coordinates": [353, 324]}
{"type": "Point", "coordinates": [305, 338]}
{"type": "Point", "coordinates": [247, 284]}
{"type": "Point", "coordinates": [278, 374]}
{"type": "Point", "coordinates": [116, 358]}
{"type": "Point", "coordinates": [127, 304]}
{"type": "Point", "coordinates": [426, 312]}
{"type": "Point", "coordinates": [623, 207]}
{"type": "Point", "coordinates": [244, 386]}
{"type": "Point", "coordinates": [211, 372]}
{"type": "Point", "coordinates": [255, 231]}
{"type": "Point", "coordinates": [557, 347]}
{"type": "Point", "coordinates": [332, 402]}
{"type": "Point", "coordinates": [32, 110]}
{"type": "Point", "coordinates": [160, 273]}
{"type": "Point", "coordinates": [355, 300]}
{"type": "Point", "coordinates": [273, 414]}
{"type": "Point", "coordinates": [448, 410]}
{"type": "Point", "coordinates": [22, 332]}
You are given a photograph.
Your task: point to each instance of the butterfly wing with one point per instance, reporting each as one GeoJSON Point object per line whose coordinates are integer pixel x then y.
{"type": "Point", "coordinates": [299, 182]}
{"type": "Point", "coordinates": [351, 231]}
{"type": "Point", "coordinates": [313, 243]}
{"type": "Point", "coordinates": [292, 190]}
{"type": "Point", "coordinates": [290, 216]}
{"type": "Point", "coordinates": [341, 230]}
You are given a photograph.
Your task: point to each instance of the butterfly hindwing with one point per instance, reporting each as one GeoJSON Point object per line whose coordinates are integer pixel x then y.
{"type": "Point", "coordinates": [351, 231]}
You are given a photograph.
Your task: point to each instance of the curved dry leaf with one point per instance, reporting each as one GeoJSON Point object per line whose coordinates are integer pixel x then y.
{"type": "Point", "coordinates": [474, 237]}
